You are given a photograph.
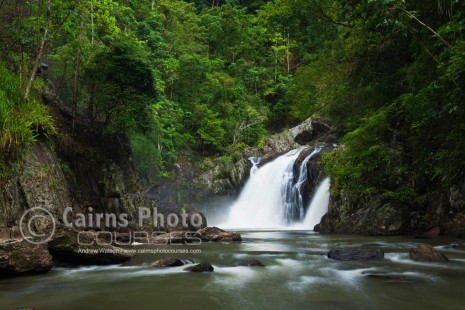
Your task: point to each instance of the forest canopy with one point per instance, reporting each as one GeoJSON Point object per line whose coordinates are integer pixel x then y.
{"type": "Point", "coordinates": [215, 76]}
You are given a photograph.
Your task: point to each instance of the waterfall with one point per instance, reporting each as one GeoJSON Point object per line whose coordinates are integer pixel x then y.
{"type": "Point", "coordinates": [260, 204]}
{"type": "Point", "coordinates": [318, 207]}
{"type": "Point", "coordinates": [293, 200]}
{"type": "Point", "coordinates": [273, 196]}
{"type": "Point", "coordinates": [255, 162]}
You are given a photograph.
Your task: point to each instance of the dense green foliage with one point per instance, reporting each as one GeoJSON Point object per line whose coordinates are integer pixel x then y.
{"type": "Point", "coordinates": [20, 121]}
{"type": "Point", "coordinates": [400, 100]}
{"type": "Point", "coordinates": [215, 76]}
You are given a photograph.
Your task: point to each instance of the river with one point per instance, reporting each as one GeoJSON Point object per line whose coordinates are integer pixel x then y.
{"type": "Point", "coordinates": [297, 275]}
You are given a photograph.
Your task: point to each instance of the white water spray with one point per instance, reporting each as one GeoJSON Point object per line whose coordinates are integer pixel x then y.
{"type": "Point", "coordinates": [318, 207]}
{"type": "Point", "coordinates": [260, 202]}
{"type": "Point", "coordinates": [255, 162]}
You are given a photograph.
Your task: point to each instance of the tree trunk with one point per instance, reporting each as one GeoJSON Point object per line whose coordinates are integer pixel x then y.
{"type": "Point", "coordinates": [40, 52]}
{"type": "Point", "coordinates": [19, 6]}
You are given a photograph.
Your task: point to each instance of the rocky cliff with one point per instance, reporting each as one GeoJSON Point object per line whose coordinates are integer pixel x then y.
{"type": "Point", "coordinates": [368, 214]}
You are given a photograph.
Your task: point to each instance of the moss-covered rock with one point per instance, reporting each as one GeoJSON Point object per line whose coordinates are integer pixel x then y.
{"type": "Point", "coordinates": [364, 214]}
{"type": "Point", "coordinates": [72, 248]}
{"type": "Point", "coordinates": [19, 258]}
{"type": "Point", "coordinates": [426, 253]}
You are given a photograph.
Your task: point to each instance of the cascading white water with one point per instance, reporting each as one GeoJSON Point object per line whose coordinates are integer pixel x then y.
{"type": "Point", "coordinates": [298, 187]}
{"type": "Point", "coordinates": [255, 162]}
{"type": "Point", "coordinates": [260, 204]}
{"type": "Point", "coordinates": [318, 207]}
{"type": "Point", "coordinates": [273, 198]}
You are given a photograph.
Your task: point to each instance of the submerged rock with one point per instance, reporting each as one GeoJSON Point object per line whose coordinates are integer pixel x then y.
{"type": "Point", "coordinates": [251, 263]}
{"type": "Point", "coordinates": [168, 262]}
{"type": "Point", "coordinates": [217, 234]}
{"type": "Point", "coordinates": [73, 249]}
{"type": "Point", "coordinates": [20, 258]}
{"type": "Point", "coordinates": [426, 253]}
{"type": "Point", "coordinates": [353, 255]}
{"type": "Point", "coordinates": [203, 267]}
{"type": "Point", "coordinates": [384, 276]}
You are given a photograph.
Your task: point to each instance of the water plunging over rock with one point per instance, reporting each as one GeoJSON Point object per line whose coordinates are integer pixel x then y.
{"type": "Point", "coordinates": [273, 196]}
{"type": "Point", "coordinates": [255, 162]}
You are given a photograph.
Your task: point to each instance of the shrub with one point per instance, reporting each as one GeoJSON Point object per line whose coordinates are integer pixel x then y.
{"type": "Point", "coordinates": [21, 121]}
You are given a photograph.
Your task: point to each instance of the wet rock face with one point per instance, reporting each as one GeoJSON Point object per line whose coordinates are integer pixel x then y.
{"type": "Point", "coordinates": [217, 234]}
{"type": "Point", "coordinates": [195, 219]}
{"type": "Point", "coordinates": [355, 255]}
{"type": "Point", "coordinates": [203, 267]}
{"type": "Point", "coordinates": [37, 181]}
{"type": "Point", "coordinates": [363, 214]}
{"type": "Point", "coordinates": [19, 258]}
{"type": "Point", "coordinates": [315, 169]}
{"type": "Point", "coordinates": [167, 262]}
{"type": "Point", "coordinates": [307, 132]}
{"type": "Point", "coordinates": [310, 130]}
{"type": "Point", "coordinates": [426, 253]}
{"type": "Point", "coordinates": [70, 249]}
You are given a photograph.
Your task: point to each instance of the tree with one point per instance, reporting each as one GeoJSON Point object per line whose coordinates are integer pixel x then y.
{"type": "Point", "coordinates": [120, 84]}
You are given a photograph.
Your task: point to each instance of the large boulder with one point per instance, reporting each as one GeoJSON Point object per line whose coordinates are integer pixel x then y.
{"type": "Point", "coordinates": [355, 255]}
{"type": "Point", "coordinates": [19, 258]}
{"type": "Point", "coordinates": [310, 130]}
{"type": "Point", "coordinates": [70, 249]}
{"type": "Point", "coordinates": [426, 253]}
{"type": "Point", "coordinates": [217, 234]}
{"type": "Point", "coordinates": [203, 267]}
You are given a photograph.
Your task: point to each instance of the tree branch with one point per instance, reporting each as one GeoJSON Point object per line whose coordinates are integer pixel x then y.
{"type": "Point", "coordinates": [426, 26]}
{"type": "Point", "coordinates": [40, 51]}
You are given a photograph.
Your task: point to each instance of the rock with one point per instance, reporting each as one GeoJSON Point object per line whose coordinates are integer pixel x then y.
{"type": "Point", "coordinates": [353, 255]}
{"type": "Point", "coordinates": [315, 171]}
{"type": "Point", "coordinates": [426, 253]}
{"type": "Point", "coordinates": [194, 217]}
{"type": "Point", "coordinates": [168, 262]}
{"type": "Point", "coordinates": [174, 237]}
{"type": "Point", "coordinates": [251, 263]}
{"type": "Point", "coordinates": [391, 278]}
{"type": "Point", "coordinates": [456, 225]}
{"type": "Point", "coordinates": [457, 246]}
{"type": "Point", "coordinates": [20, 258]}
{"type": "Point", "coordinates": [347, 216]}
{"type": "Point", "coordinates": [217, 234]}
{"type": "Point", "coordinates": [36, 180]}
{"type": "Point", "coordinates": [67, 250]}
{"type": "Point", "coordinates": [203, 267]}
{"type": "Point", "coordinates": [434, 232]}
{"type": "Point", "coordinates": [310, 130]}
